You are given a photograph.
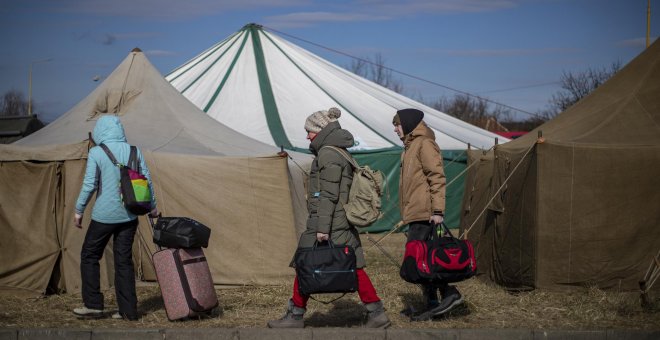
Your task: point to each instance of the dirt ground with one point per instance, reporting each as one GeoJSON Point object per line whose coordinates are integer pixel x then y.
{"type": "Point", "coordinates": [486, 305]}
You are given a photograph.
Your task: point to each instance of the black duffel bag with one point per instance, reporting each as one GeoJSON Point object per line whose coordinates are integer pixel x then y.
{"type": "Point", "coordinates": [326, 268]}
{"type": "Point", "coordinates": [180, 232]}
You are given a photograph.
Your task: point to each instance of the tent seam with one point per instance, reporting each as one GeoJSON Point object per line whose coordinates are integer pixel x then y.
{"type": "Point", "coordinates": [219, 45]}
{"type": "Point", "coordinates": [326, 92]}
{"type": "Point", "coordinates": [646, 112]}
{"type": "Point", "coordinates": [445, 119]}
{"type": "Point", "coordinates": [168, 141]}
{"type": "Point", "coordinates": [208, 68]}
{"type": "Point", "coordinates": [224, 79]}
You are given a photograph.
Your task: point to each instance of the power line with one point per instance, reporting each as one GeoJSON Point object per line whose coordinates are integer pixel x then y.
{"type": "Point", "coordinates": [522, 87]}
{"type": "Point", "coordinates": [405, 74]}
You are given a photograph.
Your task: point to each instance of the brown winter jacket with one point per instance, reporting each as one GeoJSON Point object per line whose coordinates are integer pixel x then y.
{"type": "Point", "coordinates": [422, 183]}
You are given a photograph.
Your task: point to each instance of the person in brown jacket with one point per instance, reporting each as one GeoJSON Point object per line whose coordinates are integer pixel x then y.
{"type": "Point", "coordinates": [422, 196]}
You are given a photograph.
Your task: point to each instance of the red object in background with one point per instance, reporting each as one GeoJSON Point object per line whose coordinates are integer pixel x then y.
{"type": "Point", "coordinates": [511, 134]}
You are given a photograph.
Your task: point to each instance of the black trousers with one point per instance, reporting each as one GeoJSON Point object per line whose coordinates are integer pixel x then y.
{"type": "Point", "coordinates": [97, 237]}
{"type": "Point", "coordinates": [421, 230]}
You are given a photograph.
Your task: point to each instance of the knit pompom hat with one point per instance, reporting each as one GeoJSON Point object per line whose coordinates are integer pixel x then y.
{"type": "Point", "coordinates": [319, 119]}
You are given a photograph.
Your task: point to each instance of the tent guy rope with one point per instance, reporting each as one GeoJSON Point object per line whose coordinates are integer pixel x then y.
{"type": "Point", "coordinates": [464, 234]}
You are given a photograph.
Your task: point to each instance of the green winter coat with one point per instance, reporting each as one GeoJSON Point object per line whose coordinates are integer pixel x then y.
{"type": "Point", "coordinates": [330, 180]}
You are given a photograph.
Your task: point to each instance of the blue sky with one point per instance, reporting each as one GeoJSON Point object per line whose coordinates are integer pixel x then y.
{"type": "Point", "coordinates": [510, 51]}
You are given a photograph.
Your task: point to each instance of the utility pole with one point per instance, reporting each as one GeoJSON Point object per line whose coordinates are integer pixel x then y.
{"type": "Point", "coordinates": [648, 23]}
{"type": "Point", "coordinates": [30, 84]}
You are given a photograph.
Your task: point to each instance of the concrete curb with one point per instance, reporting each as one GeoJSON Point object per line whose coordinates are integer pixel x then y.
{"type": "Point", "coordinates": [320, 333]}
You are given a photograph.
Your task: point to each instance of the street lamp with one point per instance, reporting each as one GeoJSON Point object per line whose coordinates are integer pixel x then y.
{"type": "Point", "coordinates": [30, 84]}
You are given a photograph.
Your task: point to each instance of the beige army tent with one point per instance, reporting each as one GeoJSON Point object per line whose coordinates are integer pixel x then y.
{"type": "Point", "coordinates": [581, 205]}
{"type": "Point", "coordinates": [201, 169]}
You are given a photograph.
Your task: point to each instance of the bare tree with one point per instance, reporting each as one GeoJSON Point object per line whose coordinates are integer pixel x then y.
{"type": "Point", "coordinates": [375, 70]}
{"type": "Point", "coordinates": [13, 104]}
{"type": "Point", "coordinates": [470, 109]}
{"type": "Point", "coordinates": [576, 86]}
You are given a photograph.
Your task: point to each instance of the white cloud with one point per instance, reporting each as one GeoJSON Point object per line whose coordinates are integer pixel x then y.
{"type": "Point", "coordinates": [497, 52]}
{"type": "Point", "coordinates": [160, 9]}
{"type": "Point", "coordinates": [378, 10]}
{"type": "Point", "coordinates": [406, 7]}
{"type": "Point", "coordinates": [636, 42]}
{"type": "Point", "coordinates": [326, 11]}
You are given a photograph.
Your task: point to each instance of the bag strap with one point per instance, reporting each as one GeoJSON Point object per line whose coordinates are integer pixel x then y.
{"type": "Point", "coordinates": [110, 155]}
{"type": "Point", "coordinates": [133, 159]}
{"type": "Point", "coordinates": [192, 302]}
{"type": "Point", "coordinates": [327, 302]}
{"type": "Point", "coordinates": [329, 241]}
{"type": "Point", "coordinates": [350, 159]}
{"type": "Point", "coordinates": [444, 227]}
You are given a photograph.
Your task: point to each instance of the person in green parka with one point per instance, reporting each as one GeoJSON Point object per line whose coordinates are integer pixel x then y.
{"type": "Point", "coordinates": [330, 181]}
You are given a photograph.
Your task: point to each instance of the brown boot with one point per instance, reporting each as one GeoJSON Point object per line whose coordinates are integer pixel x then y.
{"type": "Point", "coordinates": [293, 318]}
{"type": "Point", "coordinates": [376, 315]}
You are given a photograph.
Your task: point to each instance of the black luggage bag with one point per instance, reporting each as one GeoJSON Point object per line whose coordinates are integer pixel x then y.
{"type": "Point", "coordinates": [181, 232]}
{"type": "Point", "coordinates": [326, 268]}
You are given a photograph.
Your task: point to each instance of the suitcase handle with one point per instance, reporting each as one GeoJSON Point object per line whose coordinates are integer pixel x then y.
{"type": "Point", "coordinates": [151, 219]}
{"type": "Point", "coordinates": [153, 226]}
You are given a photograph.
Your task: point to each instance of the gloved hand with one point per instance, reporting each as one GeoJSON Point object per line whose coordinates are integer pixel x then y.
{"type": "Point", "coordinates": [77, 220]}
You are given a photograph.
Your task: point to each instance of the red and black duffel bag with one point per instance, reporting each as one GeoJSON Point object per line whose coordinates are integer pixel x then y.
{"type": "Point", "coordinates": [452, 259]}
{"type": "Point", "coordinates": [447, 259]}
{"type": "Point", "coordinates": [416, 266]}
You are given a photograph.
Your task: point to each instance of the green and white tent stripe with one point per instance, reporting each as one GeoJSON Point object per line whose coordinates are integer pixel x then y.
{"type": "Point", "coordinates": [265, 87]}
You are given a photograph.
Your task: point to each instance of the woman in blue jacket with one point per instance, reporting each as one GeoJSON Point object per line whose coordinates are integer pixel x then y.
{"type": "Point", "coordinates": [109, 219]}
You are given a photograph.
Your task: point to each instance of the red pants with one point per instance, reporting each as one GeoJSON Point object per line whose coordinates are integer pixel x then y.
{"type": "Point", "coordinates": [366, 290]}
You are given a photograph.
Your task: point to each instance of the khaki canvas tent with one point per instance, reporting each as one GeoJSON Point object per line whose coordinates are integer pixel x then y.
{"type": "Point", "coordinates": [200, 168]}
{"type": "Point", "coordinates": [259, 77]}
{"type": "Point", "coordinates": [581, 205]}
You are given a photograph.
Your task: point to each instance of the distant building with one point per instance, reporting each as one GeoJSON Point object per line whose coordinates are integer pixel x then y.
{"type": "Point", "coordinates": [15, 128]}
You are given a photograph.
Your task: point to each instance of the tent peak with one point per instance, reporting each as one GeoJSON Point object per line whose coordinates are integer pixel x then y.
{"type": "Point", "coordinates": [137, 49]}
{"type": "Point", "coordinates": [252, 25]}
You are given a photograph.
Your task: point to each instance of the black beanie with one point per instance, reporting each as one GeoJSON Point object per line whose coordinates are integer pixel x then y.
{"type": "Point", "coordinates": [409, 119]}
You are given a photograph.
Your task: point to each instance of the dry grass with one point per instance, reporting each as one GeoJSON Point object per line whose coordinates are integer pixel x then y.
{"type": "Point", "coordinates": [487, 306]}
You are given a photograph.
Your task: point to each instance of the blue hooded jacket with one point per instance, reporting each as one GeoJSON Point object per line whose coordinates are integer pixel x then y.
{"type": "Point", "coordinates": [108, 207]}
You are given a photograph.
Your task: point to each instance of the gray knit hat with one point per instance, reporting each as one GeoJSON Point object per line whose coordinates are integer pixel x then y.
{"type": "Point", "coordinates": [319, 119]}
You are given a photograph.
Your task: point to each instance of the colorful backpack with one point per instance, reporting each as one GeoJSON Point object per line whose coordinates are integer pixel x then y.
{"type": "Point", "coordinates": [133, 185]}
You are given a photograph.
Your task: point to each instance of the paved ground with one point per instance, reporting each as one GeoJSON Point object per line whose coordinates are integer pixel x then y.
{"type": "Point", "coordinates": [321, 333]}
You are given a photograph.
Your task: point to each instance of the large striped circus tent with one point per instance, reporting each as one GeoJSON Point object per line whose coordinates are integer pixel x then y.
{"type": "Point", "coordinates": [264, 87]}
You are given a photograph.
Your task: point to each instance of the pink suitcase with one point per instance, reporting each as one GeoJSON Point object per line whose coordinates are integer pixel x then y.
{"type": "Point", "coordinates": [185, 282]}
